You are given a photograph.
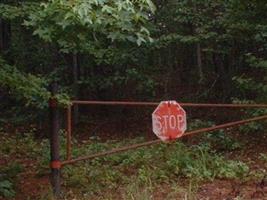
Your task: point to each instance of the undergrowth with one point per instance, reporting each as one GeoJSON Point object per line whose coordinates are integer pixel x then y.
{"type": "Point", "coordinates": [147, 167]}
{"type": "Point", "coordinates": [135, 174]}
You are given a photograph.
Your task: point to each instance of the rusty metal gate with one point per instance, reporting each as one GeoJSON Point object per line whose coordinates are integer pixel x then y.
{"type": "Point", "coordinates": [56, 163]}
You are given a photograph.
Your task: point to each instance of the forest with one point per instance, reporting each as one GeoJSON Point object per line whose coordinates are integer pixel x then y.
{"type": "Point", "coordinates": [190, 51]}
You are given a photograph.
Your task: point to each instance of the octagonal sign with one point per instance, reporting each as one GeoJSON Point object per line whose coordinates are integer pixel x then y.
{"type": "Point", "coordinates": [169, 120]}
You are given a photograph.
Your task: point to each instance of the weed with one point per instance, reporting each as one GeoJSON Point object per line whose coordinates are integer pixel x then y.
{"type": "Point", "coordinates": [149, 166]}
{"type": "Point", "coordinates": [136, 191]}
{"type": "Point", "coordinates": [7, 178]}
{"type": "Point", "coordinates": [136, 173]}
{"type": "Point", "coordinates": [7, 189]}
{"type": "Point", "coordinates": [47, 195]}
{"type": "Point", "coordinates": [263, 157]}
{"type": "Point", "coordinates": [255, 127]}
{"type": "Point", "coordinates": [219, 139]}
{"type": "Point", "coordinates": [256, 175]}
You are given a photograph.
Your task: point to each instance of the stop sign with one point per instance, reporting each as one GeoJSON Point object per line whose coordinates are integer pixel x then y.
{"type": "Point", "coordinates": [169, 120]}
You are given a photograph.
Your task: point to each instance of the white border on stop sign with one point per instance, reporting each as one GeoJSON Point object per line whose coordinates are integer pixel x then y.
{"type": "Point", "coordinates": [160, 133]}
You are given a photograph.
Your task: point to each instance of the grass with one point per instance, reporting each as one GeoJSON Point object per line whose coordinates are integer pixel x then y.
{"type": "Point", "coordinates": [166, 170]}
{"type": "Point", "coordinates": [139, 172]}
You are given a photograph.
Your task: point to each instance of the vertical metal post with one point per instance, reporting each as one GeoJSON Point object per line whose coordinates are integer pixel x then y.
{"type": "Point", "coordinates": [54, 142]}
{"type": "Point", "coordinates": [69, 132]}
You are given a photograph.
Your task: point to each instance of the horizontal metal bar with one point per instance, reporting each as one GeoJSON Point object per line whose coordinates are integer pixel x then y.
{"type": "Point", "coordinates": [117, 150]}
{"type": "Point", "coordinates": [125, 103]}
{"type": "Point", "coordinates": [227, 125]}
{"type": "Point", "coordinates": [135, 146]}
{"type": "Point", "coordinates": [132, 103]}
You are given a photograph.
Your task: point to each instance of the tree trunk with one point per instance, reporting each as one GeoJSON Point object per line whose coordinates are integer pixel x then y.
{"type": "Point", "coordinates": [1, 36]}
{"type": "Point", "coordinates": [5, 36]}
{"type": "Point", "coordinates": [199, 64]}
{"type": "Point", "coordinates": [224, 80]}
{"type": "Point", "coordinates": [75, 86]}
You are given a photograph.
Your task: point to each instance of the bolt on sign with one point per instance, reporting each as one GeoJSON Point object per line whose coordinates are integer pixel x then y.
{"type": "Point", "coordinates": [169, 121]}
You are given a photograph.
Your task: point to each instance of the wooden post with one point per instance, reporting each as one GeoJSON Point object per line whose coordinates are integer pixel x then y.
{"type": "Point", "coordinates": [68, 128]}
{"type": "Point", "coordinates": [55, 164]}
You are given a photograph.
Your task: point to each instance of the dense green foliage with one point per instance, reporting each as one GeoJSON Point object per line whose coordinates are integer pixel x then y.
{"type": "Point", "coordinates": [186, 50]}
{"type": "Point", "coordinates": [83, 26]}
{"type": "Point", "coordinates": [24, 87]}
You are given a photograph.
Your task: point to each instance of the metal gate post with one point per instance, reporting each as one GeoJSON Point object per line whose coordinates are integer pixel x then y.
{"type": "Point", "coordinates": [55, 164]}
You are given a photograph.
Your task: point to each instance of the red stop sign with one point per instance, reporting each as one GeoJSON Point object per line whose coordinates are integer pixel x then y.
{"type": "Point", "coordinates": [169, 120]}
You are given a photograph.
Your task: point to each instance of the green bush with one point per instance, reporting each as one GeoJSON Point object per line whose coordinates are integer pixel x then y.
{"type": "Point", "coordinates": [7, 178]}
{"type": "Point", "coordinates": [160, 163]}
{"type": "Point", "coordinates": [7, 189]}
